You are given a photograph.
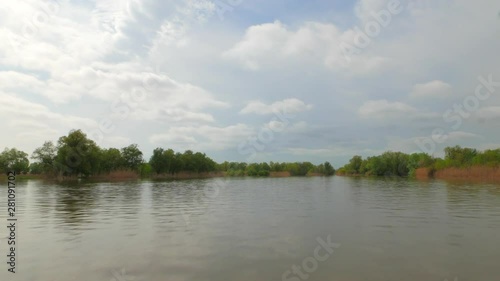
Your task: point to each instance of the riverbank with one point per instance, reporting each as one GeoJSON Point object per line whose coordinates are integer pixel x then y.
{"type": "Point", "coordinates": [4, 177]}
{"type": "Point", "coordinates": [190, 175]}
{"type": "Point", "coordinates": [131, 175]}
{"type": "Point", "coordinates": [476, 173]}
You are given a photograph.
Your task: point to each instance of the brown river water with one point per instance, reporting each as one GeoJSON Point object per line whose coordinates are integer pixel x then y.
{"type": "Point", "coordinates": [332, 229]}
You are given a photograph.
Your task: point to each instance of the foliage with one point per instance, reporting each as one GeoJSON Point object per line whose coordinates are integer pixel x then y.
{"type": "Point", "coordinates": [111, 160]}
{"type": "Point", "coordinates": [487, 158]}
{"type": "Point", "coordinates": [78, 154]}
{"type": "Point", "coordinates": [325, 169]}
{"type": "Point", "coordinates": [354, 165]}
{"type": "Point", "coordinates": [46, 156]}
{"type": "Point", "coordinates": [14, 160]}
{"type": "Point", "coordinates": [258, 170]}
{"type": "Point", "coordinates": [402, 165]}
{"type": "Point", "coordinates": [167, 161]}
{"type": "Point", "coordinates": [460, 157]}
{"type": "Point", "coordinates": [264, 169]}
{"type": "Point", "coordinates": [132, 157]}
{"type": "Point", "coordinates": [388, 164]}
{"type": "Point", "coordinates": [145, 170]}
{"type": "Point", "coordinates": [36, 168]}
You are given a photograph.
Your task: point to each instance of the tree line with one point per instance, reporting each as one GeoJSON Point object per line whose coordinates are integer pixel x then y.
{"type": "Point", "coordinates": [77, 155]}
{"type": "Point", "coordinates": [404, 165]}
{"type": "Point", "coordinates": [264, 169]}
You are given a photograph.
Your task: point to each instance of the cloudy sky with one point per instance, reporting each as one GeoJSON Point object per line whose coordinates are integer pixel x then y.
{"type": "Point", "coordinates": [253, 80]}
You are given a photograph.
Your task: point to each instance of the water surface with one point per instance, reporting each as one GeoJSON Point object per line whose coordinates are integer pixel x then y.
{"type": "Point", "coordinates": [254, 229]}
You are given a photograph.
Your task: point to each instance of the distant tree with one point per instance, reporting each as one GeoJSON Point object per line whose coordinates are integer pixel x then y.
{"type": "Point", "coordinates": [36, 168]}
{"type": "Point", "coordinates": [132, 157]}
{"type": "Point", "coordinates": [253, 170]}
{"type": "Point", "coordinates": [145, 170]}
{"type": "Point", "coordinates": [14, 160]}
{"type": "Point", "coordinates": [459, 157]}
{"type": "Point", "coordinates": [111, 160]}
{"type": "Point", "coordinates": [328, 169]}
{"type": "Point", "coordinates": [490, 157]}
{"type": "Point", "coordinates": [265, 167]}
{"type": "Point", "coordinates": [158, 161]}
{"type": "Point", "coordinates": [77, 155]}
{"type": "Point", "coordinates": [393, 164]}
{"type": "Point", "coordinates": [299, 168]}
{"type": "Point", "coordinates": [178, 163]}
{"type": "Point", "coordinates": [224, 166]}
{"type": "Point", "coordinates": [46, 156]}
{"type": "Point", "coordinates": [187, 160]}
{"type": "Point", "coordinates": [354, 164]}
{"type": "Point", "coordinates": [199, 162]}
{"type": "Point", "coordinates": [418, 160]}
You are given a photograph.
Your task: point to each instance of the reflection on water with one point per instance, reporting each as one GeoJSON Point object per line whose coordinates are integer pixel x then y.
{"type": "Point", "coordinates": [256, 229]}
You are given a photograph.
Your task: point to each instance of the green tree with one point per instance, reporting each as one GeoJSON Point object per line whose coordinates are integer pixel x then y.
{"type": "Point", "coordinates": [354, 165]}
{"type": "Point", "coordinates": [46, 156]}
{"type": "Point", "coordinates": [490, 157]}
{"type": "Point", "coordinates": [460, 157]}
{"type": "Point", "coordinates": [14, 160]}
{"type": "Point", "coordinates": [328, 169]}
{"type": "Point", "coordinates": [299, 168]}
{"type": "Point", "coordinates": [77, 155]}
{"type": "Point", "coordinates": [36, 168]}
{"type": "Point", "coordinates": [145, 170]}
{"type": "Point", "coordinates": [158, 161]}
{"type": "Point", "coordinates": [419, 160]}
{"type": "Point", "coordinates": [111, 160]}
{"type": "Point", "coordinates": [132, 157]}
{"type": "Point", "coordinates": [187, 161]}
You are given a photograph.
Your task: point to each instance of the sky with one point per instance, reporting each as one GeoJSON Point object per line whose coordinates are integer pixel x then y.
{"type": "Point", "coordinates": [253, 80]}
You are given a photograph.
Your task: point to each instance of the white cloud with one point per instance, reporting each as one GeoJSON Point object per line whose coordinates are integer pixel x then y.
{"type": "Point", "coordinates": [457, 136]}
{"type": "Point", "coordinates": [12, 80]}
{"type": "Point", "coordinates": [175, 31]}
{"type": "Point", "coordinates": [202, 138]}
{"type": "Point", "coordinates": [365, 8]}
{"type": "Point", "coordinates": [104, 53]}
{"type": "Point", "coordinates": [289, 106]}
{"type": "Point", "coordinates": [433, 144]}
{"type": "Point", "coordinates": [313, 42]}
{"type": "Point", "coordinates": [383, 109]}
{"type": "Point", "coordinates": [332, 151]}
{"type": "Point", "coordinates": [434, 89]}
{"type": "Point", "coordinates": [287, 127]}
{"type": "Point", "coordinates": [488, 113]}
{"type": "Point", "coordinates": [115, 141]}
{"type": "Point", "coordinates": [33, 123]}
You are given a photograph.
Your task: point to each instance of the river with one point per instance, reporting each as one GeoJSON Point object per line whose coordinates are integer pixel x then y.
{"type": "Point", "coordinates": [245, 229]}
